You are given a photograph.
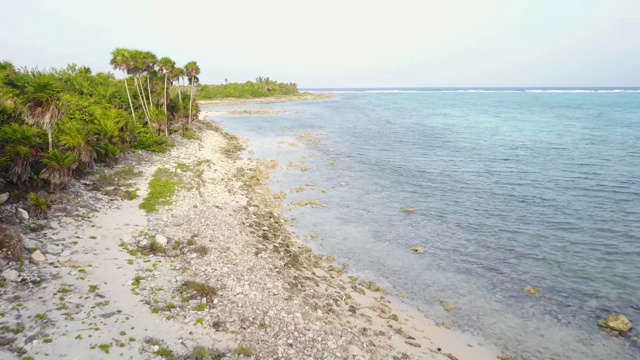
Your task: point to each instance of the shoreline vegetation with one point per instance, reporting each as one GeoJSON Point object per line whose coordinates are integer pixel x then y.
{"type": "Point", "coordinates": [130, 228]}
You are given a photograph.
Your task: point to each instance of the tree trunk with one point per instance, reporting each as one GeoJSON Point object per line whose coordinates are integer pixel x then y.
{"type": "Point", "coordinates": [166, 117]}
{"type": "Point", "coordinates": [142, 99]}
{"type": "Point", "coordinates": [191, 100]}
{"type": "Point", "coordinates": [50, 135]}
{"type": "Point", "coordinates": [126, 85]}
{"type": "Point", "coordinates": [165, 92]}
{"type": "Point", "coordinates": [149, 88]}
{"type": "Point", "coordinates": [180, 92]}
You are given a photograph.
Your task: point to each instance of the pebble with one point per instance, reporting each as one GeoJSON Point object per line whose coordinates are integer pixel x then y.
{"type": "Point", "coordinates": [127, 239]}
{"type": "Point", "coordinates": [37, 256]}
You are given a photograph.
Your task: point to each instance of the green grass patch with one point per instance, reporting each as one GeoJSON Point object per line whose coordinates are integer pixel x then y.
{"type": "Point", "coordinates": [162, 187]}
{"type": "Point", "coordinates": [243, 351]}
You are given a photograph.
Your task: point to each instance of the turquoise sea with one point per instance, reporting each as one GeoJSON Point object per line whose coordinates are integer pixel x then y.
{"type": "Point", "coordinates": [512, 188]}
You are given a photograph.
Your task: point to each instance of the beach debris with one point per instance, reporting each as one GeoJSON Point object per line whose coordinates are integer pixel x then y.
{"type": "Point", "coordinates": [37, 256]}
{"type": "Point", "coordinates": [531, 290]}
{"type": "Point", "coordinates": [310, 184]}
{"type": "Point", "coordinates": [447, 305]}
{"type": "Point", "coordinates": [417, 250]}
{"type": "Point", "coordinates": [634, 338]}
{"type": "Point", "coordinates": [251, 152]}
{"type": "Point", "coordinates": [409, 209]}
{"type": "Point", "coordinates": [314, 236]}
{"type": "Point", "coordinates": [4, 197]}
{"type": "Point", "coordinates": [22, 215]}
{"type": "Point", "coordinates": [616, 322]}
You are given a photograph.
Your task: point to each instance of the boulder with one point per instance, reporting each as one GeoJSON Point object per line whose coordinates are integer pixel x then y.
{"type": "Point", "coordinates": [616, 322]}
{"type": "Point", "coordinates": [22, 215]}
{"type": "Point", "coordinates": [4, 197]}
{"type": "Point", "coordinates": [417, 250]}
{"type": "Point", "coordinates": [37, 256]}
{"type": "Point", "coordinates": [161, 240]}
{"type": "Point", "coordinates": [10, 275]}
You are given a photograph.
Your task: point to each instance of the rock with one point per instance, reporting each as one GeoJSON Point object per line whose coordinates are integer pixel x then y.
{"type": "Point", "coordinates": [143, 243]}
{"type": "Point", "coordinates": [4, 197]}
{"type": "Point", "coordinates": [10, 275]}
{"type": "Point", "coordinates": [616, 322]}
{"type": "Point", "coordinates": [37, 256]}
{"type": "Point", "coordinates": [161, 240]}
{"type": "Point", "coordinates": [4, 340]}
{"type": "Point", "coordinates": [22, 215]}
{"type": "Point", "coordinates": [448, 306]}
{"type": "Point", "coordinates": [634, 338]}
{"type": "Point", "coordinates": [127, 239]}
{"type": "Point", "coordinates": [409, 209]}
{"type": "Point", "coordinates": [413, 343]}
{"type": "Point", "coordinates": [417, 250]}
{"type": "Point", "coordinates": [54, 250]}
{"type": "Point", "coordinates": [533, 291]}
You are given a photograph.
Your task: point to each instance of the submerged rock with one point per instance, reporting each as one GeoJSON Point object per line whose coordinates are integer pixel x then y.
{"type": "Point", "coordinates": [616, 322]}
{"type": "Point", "coordinates": [409, 209]}
{"type": "Point", "coordinates": [417, 250]}
{"type": "Point", "coordinates": [448, 306]}
{"type": "Point", "coordinates": [531, 290]}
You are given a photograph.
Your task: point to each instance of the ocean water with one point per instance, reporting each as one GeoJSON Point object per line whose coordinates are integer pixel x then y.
{"type": "Point", "coordinates": [512, 188]}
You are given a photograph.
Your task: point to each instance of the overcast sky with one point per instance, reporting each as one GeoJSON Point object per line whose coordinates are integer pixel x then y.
{"type": "Point", "coordinates": [345, 43]}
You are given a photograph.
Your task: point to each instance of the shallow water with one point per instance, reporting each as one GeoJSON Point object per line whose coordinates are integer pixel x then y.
{"type": "Point", "coordinates": [512, 189]}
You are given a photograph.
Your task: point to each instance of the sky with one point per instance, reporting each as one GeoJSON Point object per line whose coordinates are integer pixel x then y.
{"type": "Point", "coordinates": [345, 43]}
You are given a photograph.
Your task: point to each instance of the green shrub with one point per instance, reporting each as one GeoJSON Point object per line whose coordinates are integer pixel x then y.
{"type": "Point", "coordinates": [147, 140]}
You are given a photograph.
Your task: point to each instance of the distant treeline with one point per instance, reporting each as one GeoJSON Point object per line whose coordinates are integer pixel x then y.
{"type": "Point", "coordinates": [58, 123]}
{"type": "Point", "coordinates": [261, 87]}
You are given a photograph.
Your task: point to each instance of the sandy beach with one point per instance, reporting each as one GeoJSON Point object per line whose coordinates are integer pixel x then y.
{"type": "Point", "coordinates": [215, 274]}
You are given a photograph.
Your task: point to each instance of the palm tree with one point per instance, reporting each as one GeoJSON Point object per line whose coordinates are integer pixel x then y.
{"type": "Point", "coordinates": [42, 103]}
{"type": "Point", "coordinates": [192, 71]}
{"type": "Point", "coordinates": [121, 60]}
{"type": "Point", "coordinates": [74, 138]}
{"type": "Point", "coordinates": [150, 60]}
{"type": "Point", "coordinates": [166, 66]}
{"type": "Point", "coordinates": [178, 74]}
{"type": "Point", "coordinates": [137, 68]}
{"type": "Point", "coordinates": [58, 170]}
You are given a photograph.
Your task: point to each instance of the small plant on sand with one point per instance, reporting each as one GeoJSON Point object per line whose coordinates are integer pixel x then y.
{"type": "Point", "coordinates": [200, 307]}
{"type": "Point", "coordinates": [156, 248]}
{"type": "Point", "coordinates": [243, 351]}
{"type": "Point", "coordinates": [201, 250]}
{"type": "Point", "coordinates": [199, 321]}
{"type": "Point", "coordinates": [165, 353]}
{"type": "Point", "coordinates": [197, 289]}
{"type": "Point", "coordinates": [39, 206]}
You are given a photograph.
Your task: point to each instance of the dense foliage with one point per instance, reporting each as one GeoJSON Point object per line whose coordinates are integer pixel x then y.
{"type": "Point", "coordinates": [57, 124]}
{"type": "Point", "coordinates": [262, 87]}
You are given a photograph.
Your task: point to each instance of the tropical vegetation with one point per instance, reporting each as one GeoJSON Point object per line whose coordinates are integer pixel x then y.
{"type": "Point", "coordinates": [261, 87]}
{"type": "Point", "coordinates": [57, 124]}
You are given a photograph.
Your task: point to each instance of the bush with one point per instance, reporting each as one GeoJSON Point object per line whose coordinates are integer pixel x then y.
{"type": "Point", "coordinates": [39, 206]}
{"type": "Point", "coordinates": [146, 140]}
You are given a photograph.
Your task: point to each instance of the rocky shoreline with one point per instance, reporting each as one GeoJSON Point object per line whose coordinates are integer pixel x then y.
{"type": "Point", "coordinates": [215, 274]}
